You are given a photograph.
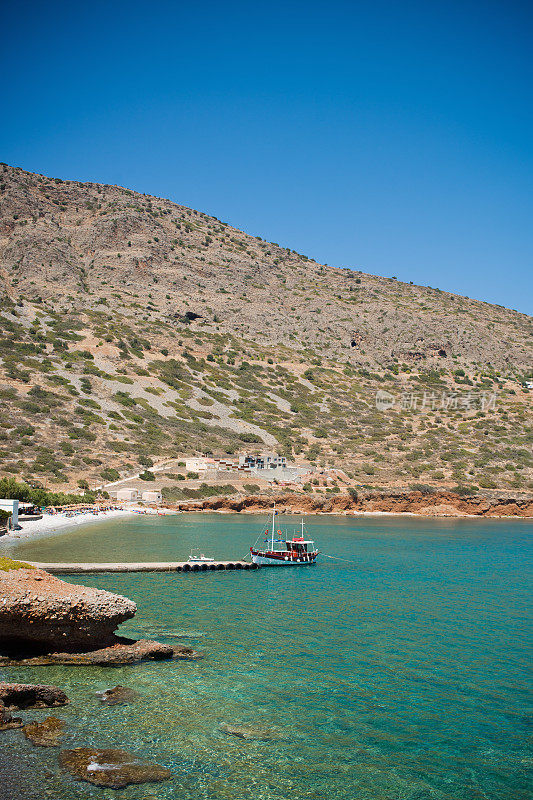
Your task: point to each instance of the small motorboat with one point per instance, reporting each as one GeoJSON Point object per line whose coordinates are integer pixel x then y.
{"type": "Point", "coordinates": [197, 557]}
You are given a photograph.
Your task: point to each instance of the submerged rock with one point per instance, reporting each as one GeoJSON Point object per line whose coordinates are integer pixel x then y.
{"type": "Point", "coordinates": [111, 768]}
{"type": "Point", "coordinates": [172, 634]}
{"type": "Point", "coordinates": [27, 695]}
{"type": "Point", "coordinates": [186, 653]}
{"type": "Point", "coordinates": [249, 732]}
{"type": "Point", "coordinates": [7, 722]}
{"type": "Point", "coordinates": [123, 652]}
{"type": "Point", "coordinates": [41, 613]}
{"type": "Point", "coordinates": [118, 654]}
{"type": "Point", "coordinates": [117, 696]}
{"type": "Point", "coordinates": [45, 734]}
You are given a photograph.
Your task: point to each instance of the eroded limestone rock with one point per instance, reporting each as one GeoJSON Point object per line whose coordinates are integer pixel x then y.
{"type": "Point", "coordinates": [39, 612]}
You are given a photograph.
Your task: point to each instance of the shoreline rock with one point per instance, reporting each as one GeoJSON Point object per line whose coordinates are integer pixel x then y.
{"type": "Point", "coordinates": [46, 621]}
{"type": "Point", "coordinates": [27, 695]}
{"type": "Point", "coordinates": [40, 612]}
{"type": "Point", "coordinates": [437, 504]}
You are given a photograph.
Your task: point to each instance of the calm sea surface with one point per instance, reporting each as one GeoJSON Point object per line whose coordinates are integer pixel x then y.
{"type": "Point", "coordinates": [402, 673]}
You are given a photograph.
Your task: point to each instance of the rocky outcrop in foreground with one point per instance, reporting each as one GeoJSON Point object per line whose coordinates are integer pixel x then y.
{"type": "Point", "coordinates": [41, 613]}
{"type": "Point", "coordinates": [45, 621]}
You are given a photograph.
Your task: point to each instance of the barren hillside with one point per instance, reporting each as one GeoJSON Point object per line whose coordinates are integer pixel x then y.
{"type": "Point", "coordinates": [134, 329]}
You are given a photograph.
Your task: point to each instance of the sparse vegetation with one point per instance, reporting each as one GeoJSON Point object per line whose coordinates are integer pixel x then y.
{"type": "Point", "coordinates": [147, 476]}
{"type": "Point", "coordinates": [8, 564]}
{"type": "Point", "coordinates": [176, 493]}
{"type": "Point", "coordinates": [185, 364]}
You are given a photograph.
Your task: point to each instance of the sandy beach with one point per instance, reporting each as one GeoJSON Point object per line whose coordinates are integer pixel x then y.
{"type": "Point", "coordinates": [51, 523]}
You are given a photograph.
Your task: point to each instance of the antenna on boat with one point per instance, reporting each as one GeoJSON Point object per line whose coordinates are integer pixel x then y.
{"type": "Point", "coordinates": [303, 537]}
{"type": "Point", "coordinates": [273, 515]}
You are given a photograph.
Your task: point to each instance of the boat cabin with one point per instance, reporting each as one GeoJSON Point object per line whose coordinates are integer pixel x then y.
{"type": "Point", "coordinates": [299, 545]}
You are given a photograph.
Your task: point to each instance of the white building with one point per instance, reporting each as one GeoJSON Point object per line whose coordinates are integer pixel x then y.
{"type": "Point", "coordinates": [263, 461]}
{"type": "Point", "coordinates": [127, 495]}
{"type": "Point", "coordinates": [199, 464]}
{"type": "Point", "coordinates": [152, 496]}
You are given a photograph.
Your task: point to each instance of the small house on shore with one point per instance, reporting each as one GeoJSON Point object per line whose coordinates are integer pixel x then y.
{"type": "Point", "coordinates": [127, 495]}
{"type": "Point", "coordinates": [152, 496]}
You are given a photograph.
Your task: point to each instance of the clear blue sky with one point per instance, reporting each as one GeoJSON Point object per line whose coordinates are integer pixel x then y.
{"type": "Point", "coordinates": [393, 137]}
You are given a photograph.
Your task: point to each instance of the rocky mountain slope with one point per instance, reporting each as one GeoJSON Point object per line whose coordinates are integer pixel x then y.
{"type": "Point", "coordinates": [135, 329]}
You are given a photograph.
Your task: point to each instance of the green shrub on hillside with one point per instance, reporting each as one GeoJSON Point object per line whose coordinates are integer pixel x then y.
{"type": "Point", "coordinates": [423, 488]}
{"type": "Point", "coordinates": [147, 476]}
{"type": "Point", "coordinates": [109, 474]}
{"type": "Point", "coordinates": [175, 493]}
{"type": "Point", "coordinates": [464, 491]}
{"type": "Point", "coordinates": [250, 438]}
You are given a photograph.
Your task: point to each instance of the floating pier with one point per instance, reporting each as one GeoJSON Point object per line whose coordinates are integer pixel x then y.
{"type": "Point", "coordinates": [156, 566]}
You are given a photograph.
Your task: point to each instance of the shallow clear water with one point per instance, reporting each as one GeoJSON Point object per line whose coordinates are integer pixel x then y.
{"type": "Point", "coordinates": [402, 676]}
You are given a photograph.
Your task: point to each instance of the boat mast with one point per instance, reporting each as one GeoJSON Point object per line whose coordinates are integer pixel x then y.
{"type": "Point", "coordinates": [273, 515]}
{"type": "Point", "coordinates": [303, 537]}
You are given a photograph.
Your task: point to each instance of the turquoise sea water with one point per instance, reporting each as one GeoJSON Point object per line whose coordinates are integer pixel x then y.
{"type": "Point", "coordinates": [402, 676]}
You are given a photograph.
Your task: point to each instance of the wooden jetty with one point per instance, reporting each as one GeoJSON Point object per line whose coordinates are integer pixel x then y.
{"type": "Point", "coordinates": [147, 566]}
